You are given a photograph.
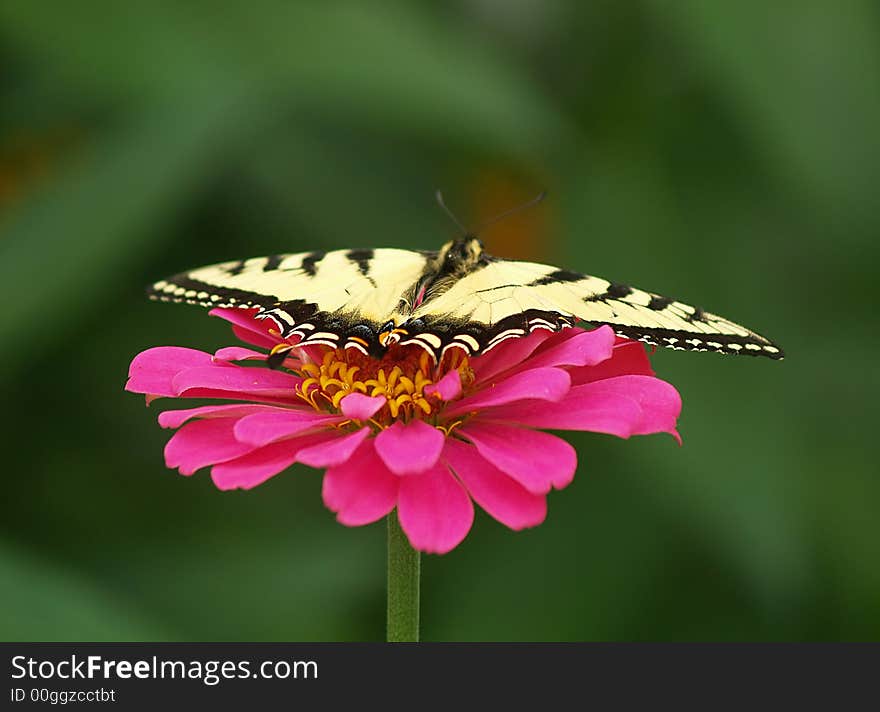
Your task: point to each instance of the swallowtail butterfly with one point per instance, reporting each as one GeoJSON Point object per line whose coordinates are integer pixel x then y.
{"type": "Point", "coordinates": [456, 297]}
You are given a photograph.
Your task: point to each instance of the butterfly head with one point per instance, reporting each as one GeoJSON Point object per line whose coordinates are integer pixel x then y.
{"type": "Point", "coordinates": [460, 255]}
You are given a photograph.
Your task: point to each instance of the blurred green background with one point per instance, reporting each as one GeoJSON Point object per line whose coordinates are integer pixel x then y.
{"type": "Point", "coordinates": [724, 153]}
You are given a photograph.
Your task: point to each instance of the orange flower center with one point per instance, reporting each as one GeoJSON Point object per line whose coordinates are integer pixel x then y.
{"type": "Point", "coordinates": [401, 376]}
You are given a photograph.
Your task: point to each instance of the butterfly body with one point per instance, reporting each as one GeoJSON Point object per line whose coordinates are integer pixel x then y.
{"type": "Point", "coordinates": [456, 297]}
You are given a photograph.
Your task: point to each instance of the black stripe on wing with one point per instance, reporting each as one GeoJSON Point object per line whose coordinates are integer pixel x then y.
{"type": "Point", "coordinates": [437, 335]}
{"type": "Point", "coordinates": [362, 259]}
{"type": "Point", "coordinates": [691, 341]}
{"type": "Point", "coordinates": [183, 289]}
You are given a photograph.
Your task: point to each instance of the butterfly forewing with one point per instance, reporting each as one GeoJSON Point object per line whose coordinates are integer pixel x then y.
{"type": "Point", "coordinates": [307, 291]}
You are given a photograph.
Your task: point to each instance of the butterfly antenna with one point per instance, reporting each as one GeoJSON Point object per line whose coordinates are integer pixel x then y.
{"type": "Point", "coordinates": [507, 213]}
{"type": "Point", "coordinates": [442, 203]}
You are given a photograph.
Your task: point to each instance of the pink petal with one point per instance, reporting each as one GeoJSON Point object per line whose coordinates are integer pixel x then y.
{"type": "Point", "coordinates": [540, 383]}
{"type": "Point", "coordinates": [248, 329]}
{"type": "Point", "coordinates": [254, 469]}
{"type": "Point", "coordinates": [538, 461]}
{"type": "Point", "coordinates": [361, 490]}
{"type": "Point", "coordinates": [241, 317]}
{"type": "Point", "coordinates": [627, 358]}
{"type": "Point", "coordinates": [659, 401]}
{"type": "Point", "coordinates": [176, 418]}
{"type": "Point", "coordinates": [153, 370]}
{"type": "Point", "coordinates": [264, 398]}
{"type": "Point", "coordinates": [500, 495]}
{"type": "Point", "coordinates": [578, 348]}
{"type": "Point", "coordinates": [333, 452]}
{"type": "Point", "coordinates": [278, 423]}
{"type": "Point", "coordinates": [448, 387]}
{"type": "Point", "coordinates": [310, 354]}
{"type": "Point", "coordinates": [254, 338]}
{"type": "Point", "coordinates": [258, 466]}
{"type": "Point", "coordinates": [357, 406]}
{"type": "Point", "coordinates": [235, 382]}
{"type": "Point", "coordinates": [203, 442]}
{"type": "Point", "coordinates": [599, 413]}
{"type": "Point", "coordinates": [238, 353]}
{"type": "Point", "coordinates": [410, 448]}
{"type": "Point", "coordinates": [435, 511]}
{"type": "Point", "coordinates": [622, 406]}
{"type": "Point", "coordinates": [507, 354]}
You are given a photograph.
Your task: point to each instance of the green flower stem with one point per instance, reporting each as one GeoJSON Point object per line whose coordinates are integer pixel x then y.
{"type": "Point", "coordinates": [403, 585]}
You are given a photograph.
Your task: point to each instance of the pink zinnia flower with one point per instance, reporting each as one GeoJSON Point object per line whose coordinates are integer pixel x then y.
{"type": "Point", "coordinates": [400, 431]}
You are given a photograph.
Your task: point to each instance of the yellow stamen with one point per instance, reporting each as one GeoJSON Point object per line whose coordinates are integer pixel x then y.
{"type": "Point", "coordinates": [338, 396]}
{"type": "Point", "coordinates": [400, 377]}
{"type": "Point", "coordinates": [327, 382]}
{"type": "Point", "coordinates": [447, 429]}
